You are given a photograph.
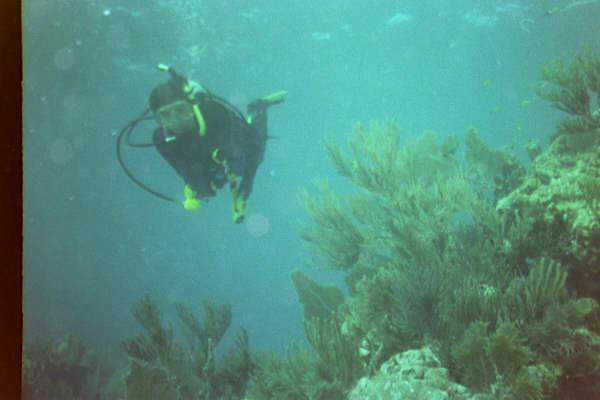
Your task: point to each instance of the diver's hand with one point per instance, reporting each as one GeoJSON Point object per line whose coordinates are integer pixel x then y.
{"type": "Point", "coordinates": [191, 203]}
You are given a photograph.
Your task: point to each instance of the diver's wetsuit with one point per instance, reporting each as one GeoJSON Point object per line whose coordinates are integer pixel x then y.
{"type": "Point", "coordinates": [240, 143]}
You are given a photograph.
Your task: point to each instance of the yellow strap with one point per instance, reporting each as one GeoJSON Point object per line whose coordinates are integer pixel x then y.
{"type": "Point", "coordinates": [189, 91]}
{"type": "Point", "coordinates": [199, 119]}
{"type": "Point", "coordinates": [231, 177]}
{"type": "Point", "coordinates": [215, 156]}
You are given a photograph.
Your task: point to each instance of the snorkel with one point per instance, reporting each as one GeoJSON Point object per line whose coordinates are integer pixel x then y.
{"type": "Point", "coordinates": [188, 91]}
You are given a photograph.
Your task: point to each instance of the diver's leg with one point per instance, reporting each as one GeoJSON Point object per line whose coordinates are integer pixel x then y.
{"type": "Point", "coordinates": [258, 119]}
{"type": "Point", "coordinates": [257, 110]}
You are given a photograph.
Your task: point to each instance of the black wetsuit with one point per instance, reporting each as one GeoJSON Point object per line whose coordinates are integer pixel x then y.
{"type": "Point", "coordinates": [241, 144]}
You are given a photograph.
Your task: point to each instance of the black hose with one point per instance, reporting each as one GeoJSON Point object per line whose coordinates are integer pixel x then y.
{"type": "Point", "coordinates": [139, 145]}
{"type": "Point", "coordinates": [127, 130]}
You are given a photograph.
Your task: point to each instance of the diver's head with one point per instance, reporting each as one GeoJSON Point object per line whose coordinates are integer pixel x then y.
{"type": "Point", "coordinates": [172, 109]}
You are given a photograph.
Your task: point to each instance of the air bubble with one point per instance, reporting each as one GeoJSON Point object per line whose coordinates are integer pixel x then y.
{"type": "Point", "coordinates": [257, 225]}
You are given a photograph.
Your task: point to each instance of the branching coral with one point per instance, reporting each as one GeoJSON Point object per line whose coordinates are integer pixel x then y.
{"type": "Point", "coordinates": [375, 317]}
{"type": "Point", "coordinates": [420, 294]}
{"type": "Point", "coordinates": [538, 335]}
{"type": "Point", "coordinates": [490, 169]}
{"type": "Point", "coordinates": [157, 342]}
{"type": "Point", "coordinates": [393, 310]}
{"type": "Point", "coordinates": [379, 164]}
{"type": "Point", "coordinates": [575, 89]}
{"type": "Point", "coordinates": [159, 365]}
{"type": "Point", "coordinates": [326, 372]}
{"type": "Point", "coordinates": [410, 216]}
{"type": "Point", "coordinates": [147, 382]}
{"type": "Point", "coordinates": [337, 235]}
{"type": "Point", "coordinates": [529, 298]}
{"type": "Point", "coordinates": [237, 369]}
{"type": "Point", "coordinates": [410, 198]}
{"type": "Point", "coordinates": [338, 361]}
{"type": "Point", "coordinates": [200, 337]}
{"type": "Point", "coordinates": [292, 376]}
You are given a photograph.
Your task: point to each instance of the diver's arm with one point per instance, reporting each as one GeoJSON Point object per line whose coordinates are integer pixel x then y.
{"type": "Point", "coordinates": [196, 177]}
{"type": "Point", "coordinates": [167, 151]}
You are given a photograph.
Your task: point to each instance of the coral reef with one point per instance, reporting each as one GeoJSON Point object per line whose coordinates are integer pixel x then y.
{"type": "Point", "coordinates": [574, 87]}
{"type": "Point", "coordinates": [161, 368]}
{"type": "Point", "coordinates": [561, 195]}
{"type": "Point", "coordinates": [561, 192]}
{"type": "Point", "coordinates": [492, 171]}
{"type": "Point", "coordinates": [431, 258]}
{"type": "Point", "coordinates": [291, 376]}
{"type": "Point", "coordinates": [408, 200]}
{"type": "Point", "coordinates": [326, 371]}
{"type": "Point", "coordinates": [331, 364]}
{"type": "Point", "coordinates": [539, 338]}
{"type": "Point", "coordinates": [62, 369]}
{"type": "Point", "coordinates": [411, 375]}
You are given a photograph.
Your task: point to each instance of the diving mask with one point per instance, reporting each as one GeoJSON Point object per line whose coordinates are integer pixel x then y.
{"type": "Point", "coordinates": [177, 117]}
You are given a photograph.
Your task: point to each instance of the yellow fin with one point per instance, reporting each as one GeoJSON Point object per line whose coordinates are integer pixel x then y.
{"type": "Point", "coordinates": [276, 97]}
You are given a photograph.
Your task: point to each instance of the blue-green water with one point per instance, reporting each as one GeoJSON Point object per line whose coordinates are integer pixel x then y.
{"type": "Point", "coordinates": [95, 243]}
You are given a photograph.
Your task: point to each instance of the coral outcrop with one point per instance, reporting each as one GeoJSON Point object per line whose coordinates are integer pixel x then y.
{"type": "Point", "coordinates": [411, 375]}
{"type": "Point", "coordinates": [561, 196]}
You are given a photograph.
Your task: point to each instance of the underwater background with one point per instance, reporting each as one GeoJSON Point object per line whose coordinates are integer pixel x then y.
{"type": "Point", "coordinates": [95, 244]}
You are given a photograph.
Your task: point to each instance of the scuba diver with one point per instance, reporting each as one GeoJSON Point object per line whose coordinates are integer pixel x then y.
{"type": "Point", "coordinates": [205, 139]}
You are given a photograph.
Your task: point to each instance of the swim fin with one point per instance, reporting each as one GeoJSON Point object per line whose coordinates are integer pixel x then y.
{"type": "Point", "coordinates": [275, 98]}
{"type": "Point", "coordinates": [266, 101]}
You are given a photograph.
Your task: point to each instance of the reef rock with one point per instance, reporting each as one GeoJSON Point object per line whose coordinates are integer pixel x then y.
{"type": "Point", "coordinates": [411, 375]}
{"type": "Point", "coordinates": [561, 196]}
